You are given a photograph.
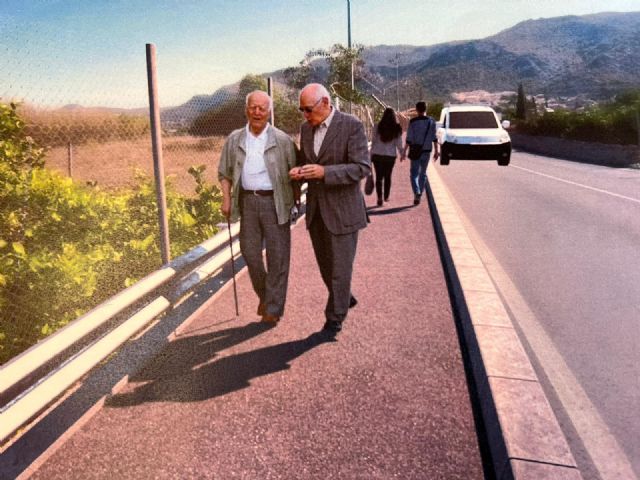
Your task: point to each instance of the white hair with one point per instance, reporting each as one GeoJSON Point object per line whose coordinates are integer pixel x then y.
{"type": "Point", "coordinates": [246, 99]}
{"type": "Point", "coordinates": [319, 90]}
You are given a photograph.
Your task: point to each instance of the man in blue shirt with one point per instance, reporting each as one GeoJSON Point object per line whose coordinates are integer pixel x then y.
{"type": "Point", "coordinates": [421, 132]}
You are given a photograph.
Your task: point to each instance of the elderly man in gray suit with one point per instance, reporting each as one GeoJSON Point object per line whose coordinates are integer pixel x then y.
{"type": "Point", "coordinates": [253, 174]}
{"type": "Point", "coordinates": [334, 158]}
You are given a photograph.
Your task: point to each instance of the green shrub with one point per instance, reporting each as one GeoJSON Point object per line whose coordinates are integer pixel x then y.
{"type": "Point", "coordinates": [613, 123]}
{"type": "Point", "coordinates": [66, 247]}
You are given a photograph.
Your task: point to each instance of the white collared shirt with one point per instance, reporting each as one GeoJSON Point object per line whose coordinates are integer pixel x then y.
{"type": "Point", "coordinates": [254, 172]}
{"type": "Point", "coordinates": [321, 132]}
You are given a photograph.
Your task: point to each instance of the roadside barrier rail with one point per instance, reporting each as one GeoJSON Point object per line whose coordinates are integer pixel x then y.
{"type": "Point", "coordinates": [30, 382]}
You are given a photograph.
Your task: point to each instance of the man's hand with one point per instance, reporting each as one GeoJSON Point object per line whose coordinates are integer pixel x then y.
{"type": "Point", "coordinates": [436, 155]}
{"type": "Point", "coordinates": [225, 186]}
{"type": "Point", "coordinates": [296, 174]}
{"type": "Point", "coordinates": [312, 171]}
{"type": "Point", "coordinates": [403, 156]}
{"type": "Point", "coordinates": [225, 208]}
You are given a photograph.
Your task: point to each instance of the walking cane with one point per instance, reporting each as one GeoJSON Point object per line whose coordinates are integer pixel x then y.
{"type": "Point", "coordinates": [233, 267]}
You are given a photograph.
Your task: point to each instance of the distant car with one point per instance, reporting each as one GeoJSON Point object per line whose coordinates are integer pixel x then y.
{"type": "Point", "coordinates": [468, 132]}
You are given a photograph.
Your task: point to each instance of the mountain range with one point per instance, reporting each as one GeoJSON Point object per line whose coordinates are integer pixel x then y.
{"type": "Point", "coordinates": [593, 56]}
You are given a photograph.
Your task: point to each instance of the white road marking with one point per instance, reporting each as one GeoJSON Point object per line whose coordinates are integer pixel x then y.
{"type": "Point", "coordinates": [636, 200]}
{"type": "Point", "coordinates": [603, 448]}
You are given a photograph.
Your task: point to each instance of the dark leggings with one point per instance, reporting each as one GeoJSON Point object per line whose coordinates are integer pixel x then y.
{"type": "Point", "coordinates": [383, 166]}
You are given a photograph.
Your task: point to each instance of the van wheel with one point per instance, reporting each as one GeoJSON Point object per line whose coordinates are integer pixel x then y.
{"type": "Point", "coordinates": [503, 162]}
{"type": "Point", "coordinates": [444, 156]}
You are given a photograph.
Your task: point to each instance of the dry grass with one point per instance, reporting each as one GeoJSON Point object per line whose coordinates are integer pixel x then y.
{"type": "Point", "coordinates": [113, 164]}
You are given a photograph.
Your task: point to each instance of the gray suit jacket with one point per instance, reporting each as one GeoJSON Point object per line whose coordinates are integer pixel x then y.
{"type": "Point", "coordinates": [345, 158]}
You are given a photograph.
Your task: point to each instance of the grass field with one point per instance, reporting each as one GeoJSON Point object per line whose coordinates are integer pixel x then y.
{"type": "Point", "coordinates": [113, 164]}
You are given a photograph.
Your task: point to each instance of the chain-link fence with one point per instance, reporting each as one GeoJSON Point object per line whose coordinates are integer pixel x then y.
{"type": "Point", "coordinates": [78, 213]}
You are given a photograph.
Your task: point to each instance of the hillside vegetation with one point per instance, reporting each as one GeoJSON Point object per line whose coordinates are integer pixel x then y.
{"type": "Point", "coordinates": [615, 122]}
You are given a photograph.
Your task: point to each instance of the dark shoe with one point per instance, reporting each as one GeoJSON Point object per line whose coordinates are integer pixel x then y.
{"type": "Point", "coordinates": [352, 302]}
{"type": "Point", "coordinates": [262, 309]}
{"type": "Point", "coordinates": [331, 326]}
{"type": "Point", "coordinates": [379, 202]}
{"type": "Point", "coordinates": [416, 200]}
{"type": "Point", "coordinates": [270, 319]}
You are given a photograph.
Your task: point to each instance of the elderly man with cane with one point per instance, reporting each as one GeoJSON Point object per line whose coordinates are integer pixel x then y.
{"type": "Point", "coordinates": [253, 174]}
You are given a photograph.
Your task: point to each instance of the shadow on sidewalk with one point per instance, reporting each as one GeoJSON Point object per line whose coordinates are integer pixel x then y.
{"type": "Point", "coordinates": [187, 370]}
{"type": "Point", "coordinates": [387, 211]}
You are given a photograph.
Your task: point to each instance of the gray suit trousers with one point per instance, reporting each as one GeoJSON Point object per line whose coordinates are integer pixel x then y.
{"type": "Point", "coordinates": [258, 227]}
{"type": "Point", "coordinates": [335, 255]}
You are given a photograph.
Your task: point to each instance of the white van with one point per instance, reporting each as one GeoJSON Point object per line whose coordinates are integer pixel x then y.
{"type": "Point", "coordinates": [468, 132]}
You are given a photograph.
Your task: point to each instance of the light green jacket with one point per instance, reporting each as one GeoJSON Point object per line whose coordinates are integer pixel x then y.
{"type": "Point", "coordinates": [279, 157]}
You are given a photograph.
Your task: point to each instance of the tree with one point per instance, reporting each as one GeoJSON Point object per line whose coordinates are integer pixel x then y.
{"type": "Point", "coordinates": [249, 83]}
{"type": "Point", "coordinates": [306, 72]}
{"type": "Point", "coordinates": [521, 104]}
{"type": "Point", "coordinates": [338, 60]}
{"type": "Point", "coordinates": [17, 150]}
{"type": "Point", "coordinates": [532, 108]}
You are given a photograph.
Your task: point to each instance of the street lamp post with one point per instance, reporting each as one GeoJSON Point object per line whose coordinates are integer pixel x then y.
{"type": "Point", "coordinates": [349, 46]}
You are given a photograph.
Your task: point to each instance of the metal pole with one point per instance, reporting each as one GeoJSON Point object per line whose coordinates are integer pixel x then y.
{"type": "Point", "coordinates": [270, 92]}
{"type": "Point", "coordinates": [70, 159]}
{"type": "Point", "coordinates": [349, 45]}
{"type": "Point", "coordinates": [349, 22]}
{"type": "Point", "coordinates": [233, 267]}
{"type": "Point", "coordinates": [156, 144]}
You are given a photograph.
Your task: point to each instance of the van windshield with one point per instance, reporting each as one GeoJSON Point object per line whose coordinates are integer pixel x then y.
{"type": "Point", "coordinates": [472, 120]}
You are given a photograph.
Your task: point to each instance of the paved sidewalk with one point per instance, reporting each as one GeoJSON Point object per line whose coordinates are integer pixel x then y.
{"type": "Point", "coordinates": [229, 399]}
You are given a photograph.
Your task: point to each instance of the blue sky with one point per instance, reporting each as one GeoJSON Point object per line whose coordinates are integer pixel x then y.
{"type": "Point", "coordinates": [92, 52]}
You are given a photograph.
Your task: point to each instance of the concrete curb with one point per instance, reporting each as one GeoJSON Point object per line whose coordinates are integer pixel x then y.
{"type": "Point", "coordinates": [523, 435]}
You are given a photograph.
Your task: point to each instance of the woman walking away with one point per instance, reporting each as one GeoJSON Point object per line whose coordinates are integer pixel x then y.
{"type": "Point", "coordinates": [387, 140]}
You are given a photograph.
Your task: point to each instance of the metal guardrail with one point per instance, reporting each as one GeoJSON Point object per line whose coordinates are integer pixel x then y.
{"type": "Point", "coordinates": [32, 381]}
{"type": "Point", "coordinates": [25, 391]}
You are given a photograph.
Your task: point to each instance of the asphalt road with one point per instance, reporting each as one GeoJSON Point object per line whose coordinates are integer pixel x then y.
{"type": "Point", "coordinates": [561, 241]}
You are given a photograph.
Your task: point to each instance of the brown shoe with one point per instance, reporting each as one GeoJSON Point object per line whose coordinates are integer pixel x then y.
{"type": "Point", "coordinates": [262, 309]}
{"type": "Point", "coordinates": [270, 319]}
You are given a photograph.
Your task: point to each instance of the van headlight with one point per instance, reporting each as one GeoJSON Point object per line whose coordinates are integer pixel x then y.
{"type": "Point", "coordinates": [504, 137]}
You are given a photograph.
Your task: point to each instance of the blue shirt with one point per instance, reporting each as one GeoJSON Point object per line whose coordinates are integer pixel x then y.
{"type": "Point", "coordinates": [417, 129]}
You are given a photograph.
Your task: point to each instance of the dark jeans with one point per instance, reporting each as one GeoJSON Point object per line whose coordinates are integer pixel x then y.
{"type": "Point", "coordinates": [418, 173]}
{"type": "Point", "coordinates": [383, 166]}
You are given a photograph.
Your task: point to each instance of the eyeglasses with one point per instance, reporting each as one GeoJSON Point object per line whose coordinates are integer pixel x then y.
{"type": "Point", "coordinates": [310, 109]}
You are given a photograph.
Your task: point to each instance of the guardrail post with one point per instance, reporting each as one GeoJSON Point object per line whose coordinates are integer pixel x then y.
{"type": "Point", "coordinates": [156, 143]}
